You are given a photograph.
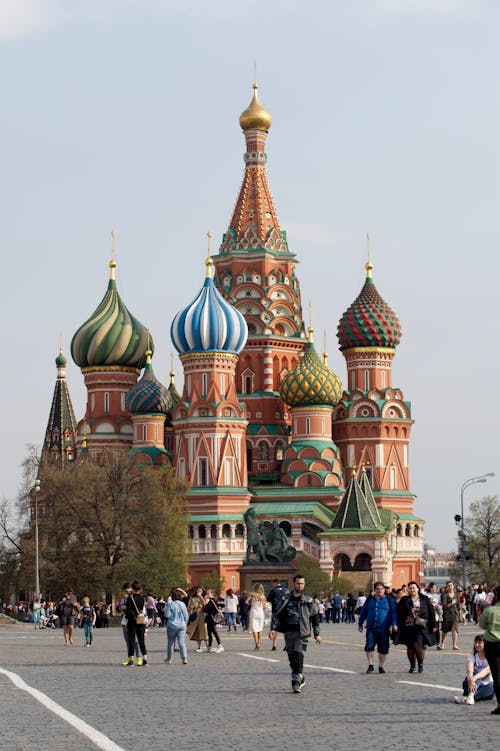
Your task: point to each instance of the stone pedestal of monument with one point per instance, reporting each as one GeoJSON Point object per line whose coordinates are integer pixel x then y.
{"type": "Point", "coordinates": [263, 573]}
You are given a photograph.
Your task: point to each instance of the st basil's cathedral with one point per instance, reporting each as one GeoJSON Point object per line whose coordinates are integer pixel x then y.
{"type": "Point", "coordinates": [262, 420]}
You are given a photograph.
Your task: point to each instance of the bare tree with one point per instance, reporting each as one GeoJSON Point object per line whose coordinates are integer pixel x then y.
{"type": "Point", "coordinates": [482, 532]}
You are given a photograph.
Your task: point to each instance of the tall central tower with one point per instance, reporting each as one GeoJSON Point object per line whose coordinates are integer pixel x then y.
{"type": "Point", "coordinates": [255, 271]}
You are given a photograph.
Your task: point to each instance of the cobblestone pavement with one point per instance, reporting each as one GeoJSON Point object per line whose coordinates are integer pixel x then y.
{"type": "Point", "coordinates": [239, 697]}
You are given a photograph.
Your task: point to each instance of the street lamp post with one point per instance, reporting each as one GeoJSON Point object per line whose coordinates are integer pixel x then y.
{"type": "Point", "coordinates": [466, 484]}
{"type": "Point", "coordinates": [37, 562]}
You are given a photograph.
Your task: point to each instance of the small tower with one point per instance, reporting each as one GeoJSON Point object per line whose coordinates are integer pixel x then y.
{"type": "Point", "coordinates": [110, 348]}
{"type": "Point", "coordinates": [210, 428]}
{"type": "Point", "coordinates": [255, 270]}
{"type": "Point", "coordinates": [311, 460]}
{"type": "Point", "coordinates": [148, 402]}
{"type": "Point", "coordinates": [59, 446]}
{"type": "Point", "coordinates": [372, 423]}
{"type": "Point", "coordinates": [358, 545]}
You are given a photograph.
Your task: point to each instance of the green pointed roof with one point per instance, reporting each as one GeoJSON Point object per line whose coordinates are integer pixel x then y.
{"type": "Point", "coordinates": [364, 484]}
{"type": "Point", "coordinates": [355, 512]}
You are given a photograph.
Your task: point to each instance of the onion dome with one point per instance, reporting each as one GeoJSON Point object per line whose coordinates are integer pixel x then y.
{"type": "Point", "coordinates": [111, 336]}
{"type": "Point", "coordinates": [311, 382]}
{"type": "Point", "coordinates": [148, 396]}
{"type": "Point", "coordinates": [369, 321]}
{"type": "Point", "coordinates": [209, 323]}
{"type": "Point", "coordinates": [61, 361]}
{"type": "Point", "coordinates": [255, 116]}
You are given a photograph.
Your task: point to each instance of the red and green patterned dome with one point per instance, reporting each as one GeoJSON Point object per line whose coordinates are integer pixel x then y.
{"type": "Point", "coordinates": [369, 321]}
{"type": "Point", "coordinates": [311, 383]}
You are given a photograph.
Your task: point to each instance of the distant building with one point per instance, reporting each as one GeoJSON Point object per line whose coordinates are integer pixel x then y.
{"type": "Point", "coordinates": [437, 566]}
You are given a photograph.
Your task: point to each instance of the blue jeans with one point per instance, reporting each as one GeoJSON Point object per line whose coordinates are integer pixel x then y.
{"type": "Point", "coordinates": [176, 633]}
{"type": "Point", "coordinates": [230, 620]}
{"type": "Point", "coordinates": [88, 630]}
{"type": "Point", "coordinates": [485, 691]}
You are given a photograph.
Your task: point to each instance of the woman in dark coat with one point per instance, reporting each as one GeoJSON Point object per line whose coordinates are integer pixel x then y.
{"type": "Point", "coordinates": [416, 626]}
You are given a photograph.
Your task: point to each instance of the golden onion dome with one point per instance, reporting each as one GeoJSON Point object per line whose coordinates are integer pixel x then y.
{"type": "Point", "coordinates": [255, 117]}
{"type": "Point", "coordinates": [311, 383]}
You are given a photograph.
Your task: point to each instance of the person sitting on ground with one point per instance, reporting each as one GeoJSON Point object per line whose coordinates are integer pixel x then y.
{"type": "Point", "coordinates": [478, 683]}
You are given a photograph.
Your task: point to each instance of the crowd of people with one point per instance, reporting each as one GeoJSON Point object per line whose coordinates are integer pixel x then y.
{"type": "Point", "coordinates": [414, 616]}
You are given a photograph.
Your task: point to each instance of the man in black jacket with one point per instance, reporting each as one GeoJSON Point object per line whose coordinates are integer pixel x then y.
{"type": "Point", "coordinates": [294, 618]}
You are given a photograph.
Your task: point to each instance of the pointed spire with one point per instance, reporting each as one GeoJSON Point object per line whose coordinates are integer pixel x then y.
{"type": "Point", "coordinates": [59, 445]}
{"type": "Point", "coordinates": [368, 264]}
{"type": "Point", "coordinates": [325, 353]}
{"type": "Point", "coordinates": [255, 222]}
{"type": "Point", "coordinates": [208, 263]}
{"type": "Point", "coordinates": [112, 263]}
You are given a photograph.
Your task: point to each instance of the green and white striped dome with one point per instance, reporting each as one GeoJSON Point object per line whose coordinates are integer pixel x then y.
{"type": "Point", "coordinates": [111, 336]}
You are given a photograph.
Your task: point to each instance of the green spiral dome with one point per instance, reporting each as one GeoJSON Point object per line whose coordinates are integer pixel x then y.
{"type": "Point", "coordinates": [311, 383]}
{"type": "Point", "coordinates": [111, 336]}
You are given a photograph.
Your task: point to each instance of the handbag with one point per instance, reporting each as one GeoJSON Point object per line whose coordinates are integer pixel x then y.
{"type": "Point", "coordinates": [140, 618]}
{"type": "Point", "coordinates": [420, 622]}
{"type": "Point", "coordinates": [217, 617]}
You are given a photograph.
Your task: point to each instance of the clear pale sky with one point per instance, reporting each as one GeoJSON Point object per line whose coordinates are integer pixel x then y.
{"type": "Point", "coordinates": [386, 119]}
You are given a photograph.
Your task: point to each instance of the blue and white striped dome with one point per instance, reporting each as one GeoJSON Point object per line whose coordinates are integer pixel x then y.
{"type": "Point", "coordinates": [209, 323]}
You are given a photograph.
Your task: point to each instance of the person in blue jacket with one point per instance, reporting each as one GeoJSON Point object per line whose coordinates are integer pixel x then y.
{"type": "Point", "coordinates": [379, 612]}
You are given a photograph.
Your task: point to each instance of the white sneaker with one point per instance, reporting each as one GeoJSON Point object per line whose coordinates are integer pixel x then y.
{"type": "Point", "coordinates": [219, 649]}
{"type": "Point", "coordinates": [470, 699]}
{"type": "Point", "coordinates": [459, 700]}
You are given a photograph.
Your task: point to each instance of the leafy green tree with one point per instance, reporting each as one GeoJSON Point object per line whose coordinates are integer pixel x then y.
{"type": "Point", "coordinates": [213, 581]}
{"type": "Point", "coordinates": [316, 579]}
{"type": "Point", "coordinates": [482, 532]}
{"type": "Point", "coordinates": [343, 586]}
{"type": "Point", "coordinates": [103, 523]}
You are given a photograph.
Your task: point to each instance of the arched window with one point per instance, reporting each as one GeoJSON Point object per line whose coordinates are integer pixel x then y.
{"type": "Point", "coordinates": [191, 531]}
{"type": "Point", "coordinates": [106, 401]}
{"type": "Point", "coordinates": [399, 530]}
{"type": "Point", "coordinates": [278, 449]}
{"type": "Point", "coordinates": [202, 532]}
{"type": "Point", "coordinates": [392, 478]}
{"type": "Point", "coordinates": [239, 530]}
{"type": "Point", "coordinates": [248, 385]}
{"type": "Point", "coordinates": [342, 562]}
{"type": "Point", "coordinates": [262, 451]}
{"type": "Point", "coordinates": [213, 531]}
{"type": "Point", "coordinates": [408, 531]}
{"type": "Point", "coordinates": [308, 425]}
{"type": "Point", "coordinates": [202, 472]}
{"type": "Point", "coordinates": [363, 562]}
{"type": "Point", "coordinates": [286, 527]}
{"type": "Point", "coordinates": [416, 530]}
{"type": "Point", "coordinates": [366, 377]}
{"type": "Point", "coordinates": [204, 385]}
{"type": "Point", "coordinates": [226, 530]}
